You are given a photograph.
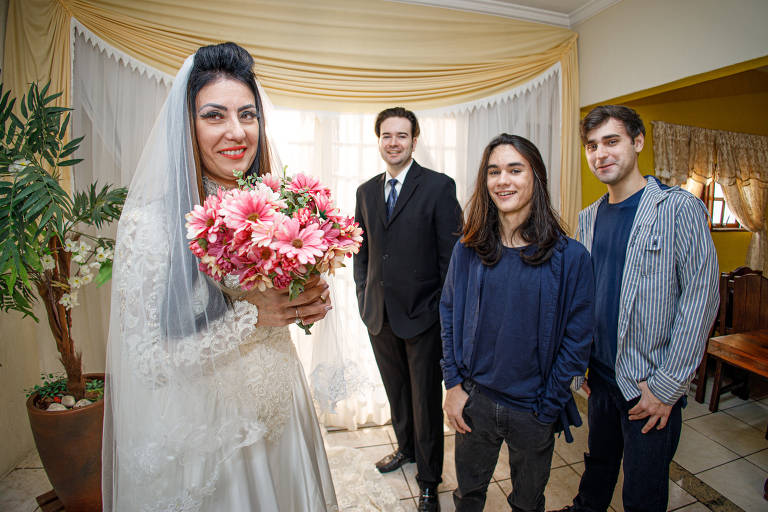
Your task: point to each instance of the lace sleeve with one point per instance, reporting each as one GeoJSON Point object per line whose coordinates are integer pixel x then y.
{"type": "Point", "coordinates": [141, 276]}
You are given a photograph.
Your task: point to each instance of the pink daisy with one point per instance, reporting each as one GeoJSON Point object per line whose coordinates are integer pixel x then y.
{"type": "Point", "coordinates": [203, 221]}
{"type": "Point", "coordinates": [303, 183]}
{"type": "Point", "coordinates": [244, 209]}
{"type": "Point", "coordinates": [306, 244]}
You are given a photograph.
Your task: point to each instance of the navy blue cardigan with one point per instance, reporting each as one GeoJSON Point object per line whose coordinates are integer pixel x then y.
{"type": "Point", "coordinates": [565, 327]}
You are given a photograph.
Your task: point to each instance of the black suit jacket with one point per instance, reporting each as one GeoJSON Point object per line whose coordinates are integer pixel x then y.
{"type": "Point", "coordinates": [402, 262]}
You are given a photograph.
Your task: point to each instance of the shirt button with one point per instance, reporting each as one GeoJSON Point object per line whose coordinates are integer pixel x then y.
{"type": "Point", "coordinates": [385, 256]}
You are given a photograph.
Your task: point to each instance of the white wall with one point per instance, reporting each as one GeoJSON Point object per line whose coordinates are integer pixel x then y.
{"type": "Point", "coordinates": [638, 44]}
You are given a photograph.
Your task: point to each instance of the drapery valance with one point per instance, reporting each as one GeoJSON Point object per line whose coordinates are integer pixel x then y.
{"type": "Point", "coordinates": [691, 157]}
{"type": "Point", "coordinates": [336, 55]}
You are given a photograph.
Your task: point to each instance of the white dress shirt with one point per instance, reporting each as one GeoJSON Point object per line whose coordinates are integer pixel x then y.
{"type": "Point", "coordinates": [400, 180]}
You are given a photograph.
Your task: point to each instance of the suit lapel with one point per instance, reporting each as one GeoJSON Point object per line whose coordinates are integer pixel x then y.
{"type": "Point", "coordinates": [379, 205]}
{"type": "Point", "coordinates": [409, 186]}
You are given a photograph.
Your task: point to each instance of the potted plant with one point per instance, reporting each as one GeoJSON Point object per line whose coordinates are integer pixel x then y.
{"type": "Point", "coordinates": [48, 252]}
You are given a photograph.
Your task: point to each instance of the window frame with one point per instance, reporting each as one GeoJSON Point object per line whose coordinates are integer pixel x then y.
{"type": "Point", "coordinates": [709, 199]}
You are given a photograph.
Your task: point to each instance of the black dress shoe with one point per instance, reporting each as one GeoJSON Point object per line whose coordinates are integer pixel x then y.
{"type": "Point", "coordinates": [428, 501]}
{"type": "Point", "coordinates": [393, 461]}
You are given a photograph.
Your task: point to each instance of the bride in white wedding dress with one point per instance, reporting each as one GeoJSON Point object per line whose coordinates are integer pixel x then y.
{"type": "Point", "coordinates": [207, 406]}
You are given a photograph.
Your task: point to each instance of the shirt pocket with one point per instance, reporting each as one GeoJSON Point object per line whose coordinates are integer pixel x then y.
{"type": "Point", "coordinates": [653, 255]}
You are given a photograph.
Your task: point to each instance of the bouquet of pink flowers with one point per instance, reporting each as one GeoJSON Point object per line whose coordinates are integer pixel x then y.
{"type": "Point", "coordinates": [272, 232]}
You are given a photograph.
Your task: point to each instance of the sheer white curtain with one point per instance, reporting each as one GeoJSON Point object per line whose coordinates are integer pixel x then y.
{"type": "Point", "coordinates": [115, 106]}
{"type": "Point", "coordinates": [117, 98]}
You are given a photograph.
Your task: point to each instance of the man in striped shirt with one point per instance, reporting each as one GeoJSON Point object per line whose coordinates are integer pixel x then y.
{"type": "Point", "coordinates": [656, 294]}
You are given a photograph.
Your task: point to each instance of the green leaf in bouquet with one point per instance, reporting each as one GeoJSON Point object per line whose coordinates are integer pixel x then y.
{"type": "Point", "coordinates": [296, 288]}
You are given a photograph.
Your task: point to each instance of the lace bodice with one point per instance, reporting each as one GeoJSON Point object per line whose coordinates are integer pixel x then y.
{"type": "Point", "coordinates": [243, 364]}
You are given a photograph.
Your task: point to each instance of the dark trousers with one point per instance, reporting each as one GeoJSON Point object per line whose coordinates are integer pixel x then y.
{"type": "Point", "coordinates": [646, 456]}
{"type": "Point", "coordinates": [410, 370]}
{"type": "Point", "coordinates": [530, 443]}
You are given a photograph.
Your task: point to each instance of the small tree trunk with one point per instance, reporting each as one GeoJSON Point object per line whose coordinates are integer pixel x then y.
{"type": "Point", "coordinates": [60, 319]}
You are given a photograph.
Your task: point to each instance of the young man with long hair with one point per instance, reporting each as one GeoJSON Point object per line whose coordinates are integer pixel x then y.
{"type": "Point", "coordinates": [516, 315]}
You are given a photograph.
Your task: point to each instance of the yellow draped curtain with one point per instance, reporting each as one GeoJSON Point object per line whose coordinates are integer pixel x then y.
{"type": "Point", "coordinates": [337, 55]}
{"type": "Point", "coordinates": [691, 157]}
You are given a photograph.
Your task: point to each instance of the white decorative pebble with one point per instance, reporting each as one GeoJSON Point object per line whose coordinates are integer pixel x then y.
{"type": "Point", "coordinates": [82, 403]}
{"type": "Point", "coordinates": [56, 407]}
{"type": "Point", "coordinates": [68, 401]}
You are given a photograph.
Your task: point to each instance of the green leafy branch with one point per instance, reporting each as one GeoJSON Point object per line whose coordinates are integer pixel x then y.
{"type": "Point", "coordinates": [42, 225]}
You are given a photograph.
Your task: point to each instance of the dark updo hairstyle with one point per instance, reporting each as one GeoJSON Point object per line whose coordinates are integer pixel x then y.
{"type": "Point", "coordinates": [212, 63]}
{"type": "Point", "coordinates": [542, 229]}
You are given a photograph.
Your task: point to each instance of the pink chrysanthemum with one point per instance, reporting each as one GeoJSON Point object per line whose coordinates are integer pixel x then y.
{"type": "Point", "coordinates": [281, 281]}
{"type": "Point", "coordinates": [303, 215]}
{"type": "Point", "coordinates": [306, 245]}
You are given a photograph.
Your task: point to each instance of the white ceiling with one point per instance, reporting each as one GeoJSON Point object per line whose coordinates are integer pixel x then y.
{"type": "Point", "coordinates": [561, 13]}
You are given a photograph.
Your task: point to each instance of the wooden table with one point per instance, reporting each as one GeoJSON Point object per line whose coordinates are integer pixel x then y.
{"type": "Point", "coordinates": [746, 350]}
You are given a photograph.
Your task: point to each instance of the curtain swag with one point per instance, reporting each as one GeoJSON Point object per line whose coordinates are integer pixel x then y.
{"type": "Point", "coordinates": [692, 157]}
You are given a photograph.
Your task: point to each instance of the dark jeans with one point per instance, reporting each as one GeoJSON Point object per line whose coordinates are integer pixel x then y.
{"type": "Point", "coordinates": [410, 371]}
{"type": "Point", "coordinates": [646, 456]}
{"type": "Point", "coordinates": [530, 443]}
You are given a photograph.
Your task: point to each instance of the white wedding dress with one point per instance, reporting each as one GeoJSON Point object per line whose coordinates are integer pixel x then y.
{"type": "Point", "coordinates": [221, 419]}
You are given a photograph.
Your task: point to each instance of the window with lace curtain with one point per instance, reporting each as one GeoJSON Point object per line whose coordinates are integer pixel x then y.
{"type": "Point", "coordinates": [721, 217]}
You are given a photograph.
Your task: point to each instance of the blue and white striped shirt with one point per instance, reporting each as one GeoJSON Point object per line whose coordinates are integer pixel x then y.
{"type": "Point", "coordinates": [669, 291]}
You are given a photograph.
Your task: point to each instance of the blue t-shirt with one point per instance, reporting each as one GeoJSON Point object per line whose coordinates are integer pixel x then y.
{"type": "Point", "coordinates": [609, 249]}
{"type": "Point", "coordinates": [505, 361]}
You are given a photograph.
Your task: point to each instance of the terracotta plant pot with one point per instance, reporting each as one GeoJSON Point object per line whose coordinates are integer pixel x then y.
{"type": "Point", "coordinates": [69, 444]}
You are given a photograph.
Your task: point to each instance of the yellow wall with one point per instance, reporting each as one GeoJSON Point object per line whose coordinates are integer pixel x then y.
{"type": "Point", "coordinates": [737, 103]}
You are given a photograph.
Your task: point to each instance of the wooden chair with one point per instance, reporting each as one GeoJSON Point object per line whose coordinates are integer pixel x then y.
{"type": "Point", "coordinates": [750, 303]}
{"type": "Point", "coordinates": [722, 325]}
{"type": "Point", "coordinates": [749, 312]}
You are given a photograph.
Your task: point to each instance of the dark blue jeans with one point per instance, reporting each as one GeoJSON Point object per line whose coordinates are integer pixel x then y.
{"type": "Point", "coordinates": [646, 456]}
{"type": "Point", "coordinates": [530, 444]}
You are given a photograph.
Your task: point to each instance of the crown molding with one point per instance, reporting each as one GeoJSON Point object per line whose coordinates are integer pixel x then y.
{"type": "Point", "coordinates": [498, 8]}
{"type": "Point", "coordinates": [588, 10]}
{"type": "Point", "coordinates": [521, 12]}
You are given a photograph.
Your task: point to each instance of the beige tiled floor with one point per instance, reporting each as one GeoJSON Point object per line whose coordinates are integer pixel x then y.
{"type": "Point", "coordinates": [726, 450]}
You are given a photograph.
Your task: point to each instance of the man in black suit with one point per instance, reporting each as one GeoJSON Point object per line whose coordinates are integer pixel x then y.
{"type": "Point", "coordinates": [411, 221]}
